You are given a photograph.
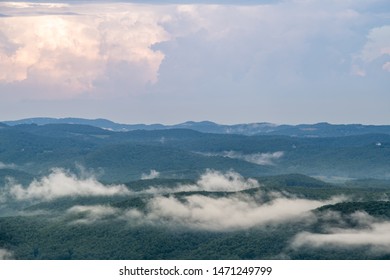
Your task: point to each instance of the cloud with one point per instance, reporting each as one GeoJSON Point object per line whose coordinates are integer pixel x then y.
{"type": "Point", "coordinates": [230, 181]}
{"type": "Point", "coordinates": [5, 254]}
{"type": "Point", "coordinates": [200, 212]}
{"type": "Point", "coordinates": [211, 181]}
{"type": "Point", "coordinates": [377, 236]}
{"type": "Point", "coordinates": [79, 53]}
{"type": "Point", "coordinates": [243, 47]}
{"type": "Point", "coordinates": [227, 213]}
{"type": "Point", "coordinates": [367, 231]}
{"type": "Point", "coordinates": [377, 45]}
{"type": "Point", "coordinates": [7, 165]}
{"type": "Point", "coordinates": [90, 48]}
{"type": "Point", "coordinates": [61, 184]}
{"type": "Point", "coordinates": [180, 61]}
{"type": "Point", "coordinates": [23, 5]}
{"type": "Point", "coordinates": [152, 175]}
{"type": "Point", "coordinates": [256, 158]}
{"type": "Point", "coordinates": [179, 206]}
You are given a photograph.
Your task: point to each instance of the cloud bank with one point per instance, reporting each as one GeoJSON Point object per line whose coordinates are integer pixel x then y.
{"type": "Point", "coordinates": [62, 184]}
{"type": "Point", "coordinates": [226, 213]}
{"type": "Point", "coordinates": [200, 212]}
{"type": "Point", "coordinates": [177, 205]}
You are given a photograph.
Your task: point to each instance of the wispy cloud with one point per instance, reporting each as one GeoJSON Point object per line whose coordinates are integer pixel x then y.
{"type": "Point", "coordinates": [256, 158]}
{"type": "Point", "coordinates": [7, 165]}
{"type": "Point", "coordinates": [227, 213]}
{"type": "Point", "coordinates": [62, 184]}
{"type": "Point", "coordinates": [212, 212]}
{"type": "Point", "coordinates": [200, 212]}
{"type": "Point", "coordinates": [212, 181]}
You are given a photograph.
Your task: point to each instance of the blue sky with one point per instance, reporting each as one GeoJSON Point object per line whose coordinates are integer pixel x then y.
{"type": "Point", "coordinates": [299, 61]}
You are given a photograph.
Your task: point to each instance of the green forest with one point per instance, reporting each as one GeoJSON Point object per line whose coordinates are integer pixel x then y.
{"type": "Point", "coordinates": [71, 191]}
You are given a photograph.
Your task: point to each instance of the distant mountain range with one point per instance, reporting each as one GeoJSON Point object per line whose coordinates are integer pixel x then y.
{"type": "Point", "coordinates": [122, 156]}
{"type": "Point", "coordinates": [302, 130]}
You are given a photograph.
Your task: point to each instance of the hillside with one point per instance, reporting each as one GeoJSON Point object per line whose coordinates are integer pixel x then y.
{"type": "Point", "coordinates": [184, 153]}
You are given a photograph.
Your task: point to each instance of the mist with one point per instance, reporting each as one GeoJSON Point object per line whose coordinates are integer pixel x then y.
{"type": "Point", "coordinates": [256, 158]}
{"type": "Point", "coordinates": [227, 213]}
{"type": "Point", "coordinates": [200, 212]}
{"type": "Point", "coordinates": [179, 206]}
{"type": "Point", "coordinates": [211, 181]}
{"type": "Point", "coordinates": [60, 183]}
{"type": "Point", "coordinates": [368, 231]}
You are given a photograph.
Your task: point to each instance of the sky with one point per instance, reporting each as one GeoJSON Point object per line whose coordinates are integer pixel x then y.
{"type": "Point", "coordinates": [290, 62]}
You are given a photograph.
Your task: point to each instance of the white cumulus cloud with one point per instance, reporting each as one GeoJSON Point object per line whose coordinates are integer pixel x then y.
{"type": "Point", "coordinates": [79, 48]}
{"type": "Point", "coordinates": [376, 47]}
{"type": "Point", "coordinates": [378, 43]}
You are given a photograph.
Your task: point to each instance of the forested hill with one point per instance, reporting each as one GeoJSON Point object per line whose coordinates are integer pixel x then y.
{"type": "Point", "coordinates": [183, 153]}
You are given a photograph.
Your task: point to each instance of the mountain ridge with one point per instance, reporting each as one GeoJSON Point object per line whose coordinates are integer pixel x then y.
{"type": "Point", "coordinates": [322, 129]}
